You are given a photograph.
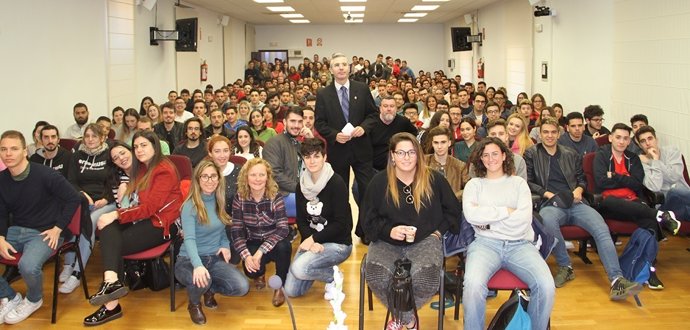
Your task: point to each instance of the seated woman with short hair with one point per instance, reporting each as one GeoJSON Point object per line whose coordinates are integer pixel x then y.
{"type": "Point", "coordinates": [499, 208]}
{"type": "Point", "coordinates": [406, 210]}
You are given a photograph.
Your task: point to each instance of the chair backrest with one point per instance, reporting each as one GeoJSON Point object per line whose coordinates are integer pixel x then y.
{"type": "Point", "coordinates": [588, 168]}
{"type": "Point", "coordinates": [183, 165]}
{"type": "Point", "coordinates": [602, 140]}
{"type": "Point", "coordinates": [685, 170]}
{"type": "Point", "coordinates": [68, 143]}
{"type": "Point", "coordinates": [111, 134]}
{"type": "Point", "coordinates": [75, 224]}
{"type": "Point", "coordinates": [238, 160]}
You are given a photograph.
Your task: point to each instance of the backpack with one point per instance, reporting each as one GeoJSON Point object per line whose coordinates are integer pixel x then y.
{"type": "Point", "coordinates": [512, 314]}
{"type": "Point", "coordinates": [638, 255]}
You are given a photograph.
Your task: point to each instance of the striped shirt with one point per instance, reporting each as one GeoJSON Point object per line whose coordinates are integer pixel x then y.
{"type": "Point", "coordinates": [264, 221]}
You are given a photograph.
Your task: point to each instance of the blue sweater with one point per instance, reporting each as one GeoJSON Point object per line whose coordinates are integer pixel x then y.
{"type": "Point", "coordinates": [202, 240]}
{"type": "Point", "coordinates": [42, 200]}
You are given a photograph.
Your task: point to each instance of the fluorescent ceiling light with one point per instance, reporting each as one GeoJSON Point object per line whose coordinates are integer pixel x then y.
{"type": "Point", "coordinates": [283, 8]}
{"type": "Point", "coordinates": [355, 21]}
{"type": "Point", "coordinates": [415, 14]}
{"type": "Point", "coordinates": [299, 21]}
{"type": "Point", "coordinates": [353, 8]}
{"type": "Point", "coordinates": [354, 15]}
{"type": "Point", "coordinates": [268, 1]}
{"type": "Point", "coordinates": [407, 20]}
{"type": "Point", "coordinates": [424, 8]}
{"type": "Point", "coordinates": [292, 15]}
{"type": "Point", "coordinates": [352, 0]}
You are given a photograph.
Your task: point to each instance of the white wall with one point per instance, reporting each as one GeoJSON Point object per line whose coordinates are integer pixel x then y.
{"type": "Point", "coordinates": [581, 47]}
{"type": "Point", "coordinates": [155, 74]}
{"type": "Point", "coordinates": [506, 50]}
{"type": "Point", "coordinates": [53, 56]}
{"type": "Point", "coordinates": [651, 67]}
{"type": "Point", "coordinates": [420, 44]}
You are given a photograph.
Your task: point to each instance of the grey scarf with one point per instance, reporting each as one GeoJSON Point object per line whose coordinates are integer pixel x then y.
{"type": "Point", "coordinates": [312, 189]}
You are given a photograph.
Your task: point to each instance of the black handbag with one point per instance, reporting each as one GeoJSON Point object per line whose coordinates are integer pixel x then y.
{"type": "Point", "coordinates": [400, 295]}
{"type": "Point", "coordinates": [157, 274]}
{"type": "Point", "coordinates": [134, 274]}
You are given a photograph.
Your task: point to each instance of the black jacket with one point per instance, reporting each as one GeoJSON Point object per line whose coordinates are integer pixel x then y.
{"type": "Point", "coordinates": [537, 160]}
{"type": "Point", "coordinates": [603, 162]}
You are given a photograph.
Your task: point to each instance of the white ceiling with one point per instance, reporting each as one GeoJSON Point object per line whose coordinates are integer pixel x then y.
{"type": "Point", "coordinates": [328, 11]}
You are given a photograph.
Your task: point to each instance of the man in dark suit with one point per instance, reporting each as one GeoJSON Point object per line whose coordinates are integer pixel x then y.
{"type": "Point", "coordinates": [347, 101]}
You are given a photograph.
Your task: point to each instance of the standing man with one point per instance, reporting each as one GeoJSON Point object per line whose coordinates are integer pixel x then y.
{"type": "Point", "coordinates": [52, 154]}
{"type": "Point", "coordinates": [343, 110]}
{"type": "Point", "coordinates": [554, 170]}
{"type": "Point", "coordinates": [81, 118]}
{"type": "Point", "coordinates": [380, 132]}
{"type": "Point", "coordinates": [41, 203]}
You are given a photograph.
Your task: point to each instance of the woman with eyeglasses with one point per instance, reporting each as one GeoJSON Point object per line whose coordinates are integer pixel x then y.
{"type": "Point", "coordinates": [203, 263]}
{"type": "Point", "coordinates": [498, 205]}
{"type": "Point", "coordinates": [406, 210]}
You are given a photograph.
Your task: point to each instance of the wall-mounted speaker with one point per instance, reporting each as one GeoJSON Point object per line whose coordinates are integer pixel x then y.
{"type": "Point", "coordinates": [458, 37]}
{"type": "Point", "coordinates": [225, 20]}
{"type": "Point", "coordinates": [468, 19]}
{"type": "Point", "coordinates": [187, 36]}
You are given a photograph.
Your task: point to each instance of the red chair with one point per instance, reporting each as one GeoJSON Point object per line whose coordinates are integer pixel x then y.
{"type": "Point", "coordinates": [238, 160]}
{"type": "Point", "coordinates": [68, 143]}
{"type": "Point", "coordinates": [75, 229]}
{"type": "Point", "coordinates": [602, 140]}
{"type": "Point", "coordinates": [184, 169]}
{"type": "Point", "coordinates": [505, 280]}
{"type": "Point", "coordinates": [575, 233]}
{"type": "Point", "coordinates": [617, 227]}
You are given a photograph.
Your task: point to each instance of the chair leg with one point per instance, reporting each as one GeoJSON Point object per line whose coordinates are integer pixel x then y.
{"type": "Point", "coordinates": [371, 298]}
{"type": "Point", "coordinates": [82, 271]}
{"type": "Point", "coordinates": [582, 252]}
{"type": "Point", "coordinates": [172, 277]}
{"type": "Point", "coordinates": [55, 289]}
{"type": "Point", "coordinates": [441, 301]}
{"type": "Point", "coordinates": [361, 293]}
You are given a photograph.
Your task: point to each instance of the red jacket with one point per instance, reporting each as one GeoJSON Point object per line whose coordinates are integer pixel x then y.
{"type": "Point", "coordinates": [163, 193]}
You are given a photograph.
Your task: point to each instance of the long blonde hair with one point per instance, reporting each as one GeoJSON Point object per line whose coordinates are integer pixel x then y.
{"type": "Point", "coordinates": [422, 191]}
{"type": "Point", "coordinates": [243, 189]}
{"type": "Point", "coordinates": [523, 139]}
{"type": "Point", "coordinates": [195, 194]}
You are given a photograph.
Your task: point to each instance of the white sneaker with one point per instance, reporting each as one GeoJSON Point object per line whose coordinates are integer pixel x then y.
{"type": "Point", "coordinates": [69, 285]}
{"type": "Point", "coordinates": [66, 273]}
{"type": "Point", "coordinates": [569, 245]}
{"type": "Point", "coordinates": [22, 311]}
{"type": "Point", "coordinates": [330, 291]}
{"type": "Point", "coordinates": [7, 306]}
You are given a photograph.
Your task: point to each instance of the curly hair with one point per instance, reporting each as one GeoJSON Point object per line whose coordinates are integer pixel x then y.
{"type": "Point", "coordinates": [476, 157]}
{"type": "Point", "coordinates": [243, 190]}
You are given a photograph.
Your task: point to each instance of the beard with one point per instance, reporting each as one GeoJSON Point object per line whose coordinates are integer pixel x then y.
{"type": "Point", "coordinates": [50, 147]}
{"type": "Point", "coordinates": [81, 121]}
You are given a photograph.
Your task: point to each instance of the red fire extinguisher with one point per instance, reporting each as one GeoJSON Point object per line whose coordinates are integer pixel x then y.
{"type": "Point", "coordinates": [204, 71]}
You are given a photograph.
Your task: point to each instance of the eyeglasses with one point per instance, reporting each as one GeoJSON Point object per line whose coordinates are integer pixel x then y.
{"type": "Point", "coordinates": [493, 111]}
{"type": "Point", "coordinates": [493, 155]}
{"type": "Point", "coordinates": [597, 119]}
{"type": "Point", "coordinates": [402, 153]}
{"type": "Point", "coordinates": [206, 178]}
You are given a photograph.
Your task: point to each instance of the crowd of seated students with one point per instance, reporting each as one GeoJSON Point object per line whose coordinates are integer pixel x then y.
{"type": "Point", "coordinates": [272, 119]}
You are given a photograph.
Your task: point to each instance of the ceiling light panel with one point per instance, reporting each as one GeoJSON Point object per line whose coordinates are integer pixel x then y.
{"type": "Point", "coordinates": [292, 15]}
{"type": "Point", "coordinates": [299, 21]}
{"type": "Point", "coordinates": [353, 8]}
{"type": "Point", "coordinates": [354, 15]}
{"type": "Point", "coordinates": [355, 21]}
{"type": "Point", "coordinates": [415, 14]}
{"type": "Point", "coordinates": [424, 7]}
{"type": "Point", "coordinates": [407, 20]}
{"type": "Point", "coordinates": [279, 9]}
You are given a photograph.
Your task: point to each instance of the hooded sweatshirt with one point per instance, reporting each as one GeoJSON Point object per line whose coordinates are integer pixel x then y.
{"type": "Point", "coordinates": [88, 172]}
{"type": "Point", "coordinates": [60, 162]}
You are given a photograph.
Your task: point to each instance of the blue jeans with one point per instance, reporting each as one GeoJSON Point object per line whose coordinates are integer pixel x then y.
{"type": "Point", "coordinates": [85, 246]}
{"type": "Point", "coordinates": [35, 252]}
{"type": "Point", "coordinates": [678, 201]}
{"type": "Point", "coordinates": [308, 266]}
{"type": "Point", "coordinates": [585, 217]}
{"type": "Point", "coordinates": [485, 256]}
{"type": "Point", "coordinates": [290, 205]}
{"type": "Point", "coordinates": [226, 279]}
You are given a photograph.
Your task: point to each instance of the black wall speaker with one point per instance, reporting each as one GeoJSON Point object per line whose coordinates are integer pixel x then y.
{"type": "Point", "coordinates": [458, 37]}
{"type": "Point", "coordinates": [186, 29]}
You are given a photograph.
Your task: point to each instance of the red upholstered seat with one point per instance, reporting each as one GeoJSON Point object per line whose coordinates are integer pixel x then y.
{"type": "Point", "coordinates": [150, 253]}
{"type": "Point", "coordinates": [505, 280]}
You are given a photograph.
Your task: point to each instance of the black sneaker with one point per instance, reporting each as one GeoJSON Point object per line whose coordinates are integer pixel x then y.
{"type": "Point", "coordinates": [108, 292]}
{"type": "Point", "coordinates": [654, 283]}
{"type": "Point", "coordinates": [103, 315]}
{"type": "Point", "coordinates": [669, 221]}
{"type": "Point", "coordinates": [622, 288]}
{"type": "Point", "coordinates": [292, 233]}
